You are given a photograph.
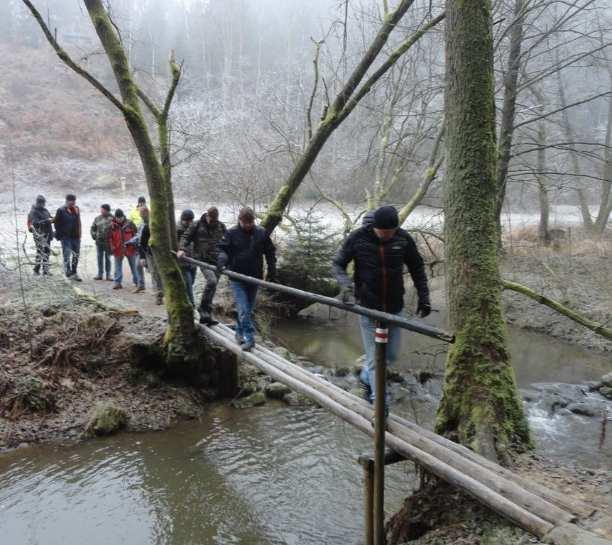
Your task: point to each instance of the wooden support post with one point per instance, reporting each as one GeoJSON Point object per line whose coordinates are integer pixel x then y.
{"type": "Point", "coordinates": [367, 463]}
{"type": "Point", "coordinates": [368, 488]}
{"type": "Point", "coordinates": [380, 424]}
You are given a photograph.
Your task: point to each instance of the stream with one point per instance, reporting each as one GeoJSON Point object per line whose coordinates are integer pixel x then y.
{"type": "Point", "coordinates": [270, 475]}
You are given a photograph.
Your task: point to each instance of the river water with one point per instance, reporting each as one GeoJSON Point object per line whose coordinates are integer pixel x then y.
{"type": "Point", "coordinates": [270, 475]}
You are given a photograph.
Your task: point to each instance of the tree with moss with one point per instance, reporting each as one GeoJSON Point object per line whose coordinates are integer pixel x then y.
{"type": "Point", "coordinates": [480, 406]}
{"type": "Point", "coordinates": [181, 342]}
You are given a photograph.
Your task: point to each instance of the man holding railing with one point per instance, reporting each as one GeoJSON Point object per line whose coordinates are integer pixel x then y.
{"type": "Point", "coordinates": [380, 250]}
{"type": "Point", "coordinates": [242, 250]}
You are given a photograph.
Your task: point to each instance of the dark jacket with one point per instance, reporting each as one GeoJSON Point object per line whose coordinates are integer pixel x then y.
{"type": "Point", "coordinates": [144, 250]}
{"type": "Point", "coordinates": [100, 228]}
{"type": "Point", "coordinates": [187, 247]}
{"type": "Point", "coordinates": [39, 222]}
{"type": "Point", "coordinates": [205, 239]}
{"type": "Point", "coordinates": [379, 268]}
{"type": "Point", "coordinates": [243, 252]}
{"type": "Point", "coordinates": [67, 223]}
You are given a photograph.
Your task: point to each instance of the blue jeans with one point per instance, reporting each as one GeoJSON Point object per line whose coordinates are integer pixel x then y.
{"type": "Point", "coordinates": [131, 259]}
{"type": "Point", "coordinates": [189, 273]}
{"type": "Point", "coordinates": [368, 328]}
{"type": "Point", "coordinates": [104, 263]}
{"type": "Point", "coordinates": [244, 295]}
{"type": "Point", "coordinates": [71, 248]}
{"type": "Point", "coordinates": [140, 272]}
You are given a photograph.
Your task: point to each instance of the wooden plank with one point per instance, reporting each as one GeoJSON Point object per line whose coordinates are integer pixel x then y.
{"type": "Point", "coordinates": [517, 514]}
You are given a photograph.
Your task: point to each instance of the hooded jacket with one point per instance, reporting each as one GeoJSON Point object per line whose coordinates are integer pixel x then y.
{"type": "Point", "coordinates": [39, 220]}
{"type": "Point", "coordinates": [118, 235]}
{"type": "Point", "coordinates": [204, 239]}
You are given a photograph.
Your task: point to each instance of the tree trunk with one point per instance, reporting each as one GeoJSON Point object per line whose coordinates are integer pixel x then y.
{"type": "Point", "coordinates": [181, 336]}
{"type": "Point", "coordinates": [587, 220]}
{"type": "Point", "coordinates": [506, 130]}
{"type": "Point", "coordinates": [605, 202]}
{"type": "Point", "coordinates": [543, 231]}
{"type": "Point", "coordinates": [480, 406]}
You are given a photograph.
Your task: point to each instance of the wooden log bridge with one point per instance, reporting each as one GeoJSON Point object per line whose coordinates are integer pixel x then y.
{"type": "Point", "coordinates": [550, 515]}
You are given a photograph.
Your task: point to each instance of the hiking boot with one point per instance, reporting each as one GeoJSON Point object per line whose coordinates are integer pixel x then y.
{"type": "Point", "coordinates": [138, 289]}
{"type": "Point", "coordinates": [98, 277]}
{"type": "Point", "coordinates": [159, 299]}
{"type": "Point", "coordinates": [76, 278]}
{"type": "Point", "coordinates": [117, 287]}
{"type": "Point", "coordinates": [366, 390]}
{"type": "Point", "coordinates": [47, 273]}
{"type": "Point", "coordinates": [206, 318]}
{"type": "Point", "coordinates": [247, 346]}
{"type": "Point", "coordinates": [109, 278]}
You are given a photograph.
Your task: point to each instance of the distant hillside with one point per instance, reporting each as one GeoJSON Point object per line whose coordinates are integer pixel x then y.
{"type": "Point", "coordinates": [61, 132]}
{"type": "Point", "coordinates": [51, 111]}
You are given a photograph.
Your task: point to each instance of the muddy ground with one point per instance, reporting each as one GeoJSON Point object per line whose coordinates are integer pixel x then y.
{"type": "Point", "coordinates": [80, 356]}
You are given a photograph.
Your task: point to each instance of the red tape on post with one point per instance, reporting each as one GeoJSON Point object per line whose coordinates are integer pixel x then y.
{"type": "Point", "coordinates": [381, 335]}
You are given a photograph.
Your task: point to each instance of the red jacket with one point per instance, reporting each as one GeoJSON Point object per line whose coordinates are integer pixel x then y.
{"type": "Point", "coordinates": [118, 235]}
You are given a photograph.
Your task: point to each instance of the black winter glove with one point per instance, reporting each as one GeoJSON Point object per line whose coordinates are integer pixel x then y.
{"type": "Point", "coordinates": [423, 309]}
{"type": "Point", "coordinates": [347, 295]}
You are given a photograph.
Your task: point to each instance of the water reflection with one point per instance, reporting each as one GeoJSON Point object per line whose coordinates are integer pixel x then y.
{"type": "Point", "coordinates": [274, 475]}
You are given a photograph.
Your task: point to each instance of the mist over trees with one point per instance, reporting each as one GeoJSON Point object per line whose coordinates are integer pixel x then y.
{"type": "Point", "coordinates": [248, 99]}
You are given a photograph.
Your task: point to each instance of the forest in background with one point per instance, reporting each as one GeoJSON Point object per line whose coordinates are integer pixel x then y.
{"type": "Point", "coordinates": [248, 97]}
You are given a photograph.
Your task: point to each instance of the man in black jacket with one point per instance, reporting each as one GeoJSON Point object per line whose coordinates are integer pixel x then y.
{"type": "Point", "coordinates": [380, 250]}
{"type": "Point", "coordinates": [39, 224]}
{"type": "Point", "coordinates": [68, 231]}
{"type": "Point", "coordinates": [204, 236]}
{"type": "Point", "coordinates": [242, 250]}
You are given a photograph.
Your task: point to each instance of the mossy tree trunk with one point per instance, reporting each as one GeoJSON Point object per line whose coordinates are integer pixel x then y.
{"type": "Point", "coordinates": [480, 406]}
{"type": "Point", "coordinates": [181, 339]}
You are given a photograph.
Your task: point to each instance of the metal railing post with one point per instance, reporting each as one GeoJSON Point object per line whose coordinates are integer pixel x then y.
{"type": "Point", "coordinates": [381, 338]}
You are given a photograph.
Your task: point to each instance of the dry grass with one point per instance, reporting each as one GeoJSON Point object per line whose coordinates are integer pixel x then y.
{"type": "Point", "coordinates": [571, 241]}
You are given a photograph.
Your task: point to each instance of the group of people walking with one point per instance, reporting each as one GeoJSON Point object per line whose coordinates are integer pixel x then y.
{"type": "Point", "coordinates": [379, 250]}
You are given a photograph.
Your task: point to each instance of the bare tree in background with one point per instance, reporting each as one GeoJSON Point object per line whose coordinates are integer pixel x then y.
{"type": "Point", "coordinates": [181, 340]}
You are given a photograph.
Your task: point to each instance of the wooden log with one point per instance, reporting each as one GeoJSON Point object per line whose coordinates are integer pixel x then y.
{"type": "Point", "coordinates": [569, 505]}
{"type": "Point", "coordinates": [412, 324]}
{"type": "Point", "coordinates": [501, 485]}
{"type": "Point", "coordinates": [506, 508]}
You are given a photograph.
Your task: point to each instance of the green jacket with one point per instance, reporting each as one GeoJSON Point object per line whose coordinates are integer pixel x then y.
{"type": "Point", "coordinates": [205, 239]}
{"type": "Point", "coordinates": [100, 229]}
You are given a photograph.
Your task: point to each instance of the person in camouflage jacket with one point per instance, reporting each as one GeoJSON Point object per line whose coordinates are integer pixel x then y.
{"type": "Point", "coordinates": [205, 234]}
{"type": "Point", "coordinates": [99, 230]}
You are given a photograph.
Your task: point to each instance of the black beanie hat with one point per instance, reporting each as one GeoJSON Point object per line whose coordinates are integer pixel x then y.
{"type": "Point", "coordinates": [40, 199]}
{"type": "Point", "coordinates": [142, 200]}
{"type": "Point", "coordinates": [106, 207]}
{"type": "Point", "coordinates": [119, 213]}
{"type": "Point", "coordinates": [386, 218]}
{"type": "Point", "coordinates": [187, 215]}
{"type": "Point", "coordinates": [71, 197]}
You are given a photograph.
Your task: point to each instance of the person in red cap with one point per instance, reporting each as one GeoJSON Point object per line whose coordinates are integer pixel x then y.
{"type": "Point", "coordinates": [380, 250]}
